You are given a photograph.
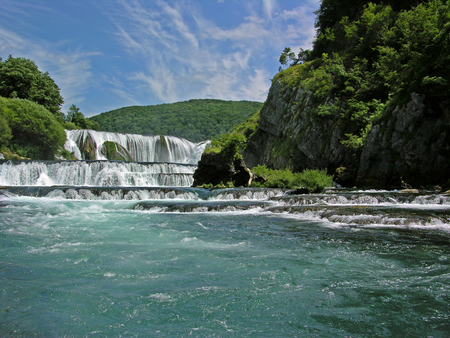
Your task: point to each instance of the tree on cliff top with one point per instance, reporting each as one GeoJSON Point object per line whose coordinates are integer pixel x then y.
{"type": "Point", "coordinates": [376, 60]}
{"type": "Point", "coordinates": [21, 78]}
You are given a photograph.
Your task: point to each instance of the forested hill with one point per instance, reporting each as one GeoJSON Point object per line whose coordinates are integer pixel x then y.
{"type": "Point", "coordinates": [194, 120]}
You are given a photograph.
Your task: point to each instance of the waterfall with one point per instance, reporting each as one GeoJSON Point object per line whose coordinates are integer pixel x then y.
{"type": "Point", "coordinates": [89, 145]}
{"type": "Point", "coordinates": [95, 173]}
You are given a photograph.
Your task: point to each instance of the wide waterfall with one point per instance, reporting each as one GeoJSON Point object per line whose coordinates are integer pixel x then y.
{"type": "Point", "coordinates": [90, 145]}
{"type": "Point", "coordinates": [164, 161]}
{"type": "Point", "coordinates": [95, 173]}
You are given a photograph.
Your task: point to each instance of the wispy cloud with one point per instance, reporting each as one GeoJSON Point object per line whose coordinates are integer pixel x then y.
{"type": "Point", "coordinates": [155, 51]}
{"type": "Point", "coordinates": [184, 55]}
{"type": "Point", "coordinates": [70, 70]}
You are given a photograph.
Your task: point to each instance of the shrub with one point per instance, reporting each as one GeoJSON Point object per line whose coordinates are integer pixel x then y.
{"type": "Point", "coordinates": [271, 178]}
{"type": "Point", "coordinates": [314, 181]}
{"type": "Point", "coordinates": [36, 133]}
{"type": "Point", "coordinates": [229, 145]}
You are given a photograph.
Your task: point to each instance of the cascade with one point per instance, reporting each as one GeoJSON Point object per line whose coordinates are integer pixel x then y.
{"type": "Point", "coordinates": [89, 145]}
{"type": "Point", "coordinates": [95, 173]}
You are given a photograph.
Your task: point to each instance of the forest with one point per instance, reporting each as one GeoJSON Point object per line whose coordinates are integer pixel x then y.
{"type": "Point", "coordinates": [195, 120]}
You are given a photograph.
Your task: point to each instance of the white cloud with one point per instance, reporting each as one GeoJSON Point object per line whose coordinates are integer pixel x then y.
{"type": "Point", "coordinates": [70, 70]}
{"type": "Point", "coordinates": [186, 55]}
{"type": "Point", "coordinates": [258, 86]}
{"type": "Point", "coordinates": [268, 7]}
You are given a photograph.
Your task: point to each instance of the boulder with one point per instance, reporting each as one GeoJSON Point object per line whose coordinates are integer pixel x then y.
{"type": "Point", "coordinates": [215, 169]}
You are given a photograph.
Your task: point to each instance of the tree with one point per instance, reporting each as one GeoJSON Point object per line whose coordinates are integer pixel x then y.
{"type": "Point", "coordinates": [21, 78]}
{"type": "Point", "coordinates": [33, 131]}
{"type": "Point", "coordinates": [287, 56]}
{"type": "Point", "coordinates": [76, 118]}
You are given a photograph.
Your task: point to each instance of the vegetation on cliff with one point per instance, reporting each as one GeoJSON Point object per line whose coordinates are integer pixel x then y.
{"type": "Point", "coordinates": [194, 120]}
{"type": "Point", "coordinates": [227, 150]}
{"type": "Point", "coordinates": [373, 93]}
{"type": "Point", "coordinates": [363, 63]}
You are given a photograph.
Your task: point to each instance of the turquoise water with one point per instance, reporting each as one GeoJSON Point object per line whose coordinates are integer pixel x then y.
{"type": "Point", "coordinates": [127, 268]}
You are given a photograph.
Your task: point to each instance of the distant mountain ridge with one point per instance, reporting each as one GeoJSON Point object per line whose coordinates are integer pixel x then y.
{"type": "Point", "coordinates": [195, 120]}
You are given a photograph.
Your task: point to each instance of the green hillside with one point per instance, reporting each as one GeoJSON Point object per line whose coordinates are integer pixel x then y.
{"type": "Point", "coordinates": [195, 120]}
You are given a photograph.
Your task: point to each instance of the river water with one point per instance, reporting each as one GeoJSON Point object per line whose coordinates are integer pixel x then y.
{"type": "Point", "coordinates": [79, 261]}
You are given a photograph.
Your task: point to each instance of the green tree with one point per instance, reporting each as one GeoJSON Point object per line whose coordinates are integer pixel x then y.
{"type": "Point", "coordinates": [21, 78]}
{"type": "Point", "coordinates": [5, 130]}
{"type": "Point", "coordinates": [75, 120]}
{"type": "Point", "coordinates": [36, 133]}
{"type": "Point", "coordinates": [287, 56]}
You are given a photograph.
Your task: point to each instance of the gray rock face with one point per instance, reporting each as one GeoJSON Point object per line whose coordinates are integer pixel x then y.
{"type": "Point", "coordinates": [291, 135]}
{"type": "Point", "coordinates": [411, 146]}
{"type": "Point", "coordinates": [215, 169]}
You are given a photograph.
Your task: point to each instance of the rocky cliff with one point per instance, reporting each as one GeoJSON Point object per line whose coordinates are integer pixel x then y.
{"type": "Point", "coordinates": [291, 135]}
{"type": "Point", "coordinates": [409, 144]}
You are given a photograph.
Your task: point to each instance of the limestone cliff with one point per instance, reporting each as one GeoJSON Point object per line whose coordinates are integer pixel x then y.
{"type": "Point", "coordinates": [291, 135]}
{"type": "Point", "coordinates": [410, 143]}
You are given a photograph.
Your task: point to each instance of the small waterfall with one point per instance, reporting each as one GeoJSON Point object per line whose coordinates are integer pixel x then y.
{"type": "Point", "coordinates": [95, 173]}
{"type": "Point", "coordinates": [88, 145]}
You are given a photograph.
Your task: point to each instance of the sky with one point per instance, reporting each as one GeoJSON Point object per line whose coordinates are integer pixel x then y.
{"type": "Point", "coordinates": [107, 54]}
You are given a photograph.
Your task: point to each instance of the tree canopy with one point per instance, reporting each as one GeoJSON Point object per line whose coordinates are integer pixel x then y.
{"type": "Point", "coordinates": [331, 13]}
{"type": "Point", "coordinates": [21, 78]}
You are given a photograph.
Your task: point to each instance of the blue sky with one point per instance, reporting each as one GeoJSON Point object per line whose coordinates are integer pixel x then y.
{"type": "Point", "coordinates": [107, 54]}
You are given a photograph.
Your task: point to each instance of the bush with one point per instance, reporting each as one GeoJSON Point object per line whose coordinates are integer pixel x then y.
{"type": "Point", "coordinates": [314, 181]}
{"type": "Point", "coordinates": [271, 178]}
{"type": "Point", "coordinates": [230, 146]}
{"type": "Point", "coordinates": [36, 133]}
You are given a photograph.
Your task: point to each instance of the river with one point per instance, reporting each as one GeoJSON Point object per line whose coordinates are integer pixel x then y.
{"type": "Point", "coordinates": [82, 255]}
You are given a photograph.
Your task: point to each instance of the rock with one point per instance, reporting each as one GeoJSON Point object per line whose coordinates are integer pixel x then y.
{"type": "Point", "coordinates": [215, 169]}
{"type": "Point", "coordinates": [299, 191]}
{"type": "Point", "coordinates": [410, 141]}
{"type": "Point", "coordinates": [411, 145]}
{"type": "Point", "coordinates": [409, 191]}
{"type": "Point", "coordinates": [88, 148]}
{"type": "Point", "coordinates": [115, 152]}
{"type": "Point", "coordinates": [291, 135]}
